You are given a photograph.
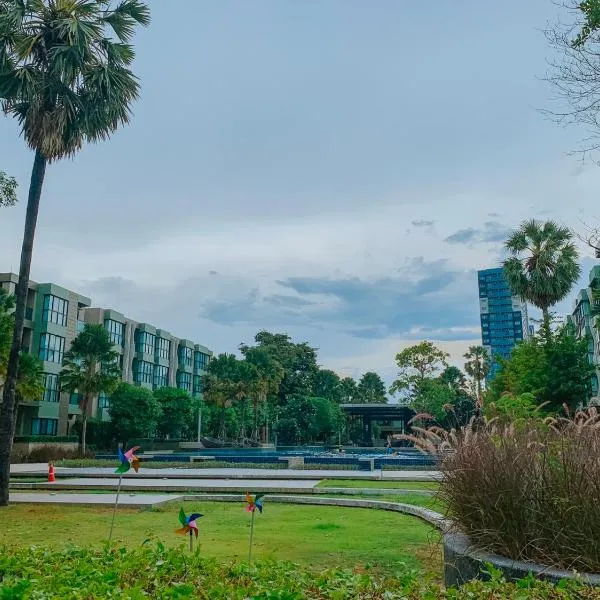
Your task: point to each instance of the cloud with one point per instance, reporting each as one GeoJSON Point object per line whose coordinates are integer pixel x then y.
{"type": "Point", "coordinates": [462, 236]}
{"type": "Point", "coordinates": [421, 223]}
{"type": "Point", "coordinates": [492, 232]}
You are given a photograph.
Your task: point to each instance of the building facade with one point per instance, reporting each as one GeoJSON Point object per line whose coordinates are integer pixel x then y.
{"type": "Point", "coordinates": [582, 319]}
{"type": "Point", "coordinates": [149, 357]}
{"type": "Point", "coordinates": [504, 320]}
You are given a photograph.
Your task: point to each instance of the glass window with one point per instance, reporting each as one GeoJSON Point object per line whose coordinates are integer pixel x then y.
{"type": "Point", "coordinates": [55, 310]}
{"type": "Point", "coordinates": [44, 426]}
{"type": "Point", "coordinates": [115, 331]}
{"type": "Point", "coordinates": [145, 342]}
{"type": "Point", "coordinates": [74, 399]}
{"type": "Point", "coordinates": [103, 400]}
{"type": "Point", "coordinates": [184, 381]}
{"type": "Point", "coordinates": [163, 348]}
{"type": "Point", "coordinates": [161, 376]}
{"type": "Point", "coordinates": [52, 347]}
{"type": "Point", "coordinates": [186, 356]}
{"type": "Point", "coordinates": [142, 371]}
{"type": "Point", "coordinates": [51, 389]}
{"type": "Point", "coordinates": [197, 384]}
{"type": "Point", "coordinates": [200, 361]}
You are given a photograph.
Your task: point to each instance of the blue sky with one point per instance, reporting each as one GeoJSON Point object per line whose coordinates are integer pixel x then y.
{"type": "Point", "coordinates": [335, 169]}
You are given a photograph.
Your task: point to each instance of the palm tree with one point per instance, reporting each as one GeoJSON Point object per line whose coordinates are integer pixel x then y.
{"type": "Point", "coordinates": [65, 75]}
{"type": "Point", "coordinates": [543, 265]}
{"type": "Point", "coordinates": [90, 367]}
{"type": "Point", "coordinates": [269, 376]}
{"type": "Point", "coordinates": [219, 386]}
{"type": "Point", "coordinates": [245, 383]}
{"type": "Point", "coordinates": [477, 367]}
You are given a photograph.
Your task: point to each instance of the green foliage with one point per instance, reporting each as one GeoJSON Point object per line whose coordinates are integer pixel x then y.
{"type": "Point", "coordinates": [8, 190]}
{"type": "Point", "coordinates": [177, 416]}
{"type": "Point", "coordinates": [477, 367]}
{"type": "Point", "coordinates": [371, 389]}
{"type": "Point", "coordinates": [555, 371]}
{"type": "Point", "coordinates": [416, 363]}
{"type": "Point", "coordinates": [287, 431]}
{"type": "Point", "coordinates": [591, 22]}
{"type": "Point", "coordinates": [513, 408]}
{"type": "Point", "coordinates": [327, 384]}
{"type": "Point", "coordinates": [433, 397]}
{"type": "Point", "coordinates": [153, 571]}
{"type": "Point", "coordinates": [328, 420]}
{"type": "Point", "coordinates": [134, 412]}
{"type": "Point", "coordinates": [348, 390]}
{"type": "Point", "coordinates": [542, 267]}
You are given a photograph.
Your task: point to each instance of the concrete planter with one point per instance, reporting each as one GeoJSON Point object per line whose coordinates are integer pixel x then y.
{"type": "Point", "coordinates": [26, 448]}
{"type": "Point", "coordinates": [463, 562]}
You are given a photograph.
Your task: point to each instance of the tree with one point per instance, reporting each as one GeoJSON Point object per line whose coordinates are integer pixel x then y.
{"type": "Point", "coordinates": [416, 363]}
{"type": "Point", "coordinates": [348, 390]}
{"type": "Point", "coordinates": [477, 367]}
{"type": "Point", "coordinates": [327, 420]}
{"type": "Point", "coordinates": [433, 397]}
{"type": "Point", "coordinates": [8, 190]}
{"type": "Point", "coordinates": [543, 265]}
{"type": "Point", "coordinates": [371, 389]}
{"type": "Point", "coordinates": [264, 378]}
{"type": "Point", "coordinates": [176, 412]}
{"type": "Point", "coordinates": [134, 412]}
{"type": "Point", "coordinates": [65, 75]}
{"type": "Point", "coordinates": [90, 367]}
{"type": "Point", "coordinates": [327, 384]}
{"type": "Point", "coordinates": [301, 410]}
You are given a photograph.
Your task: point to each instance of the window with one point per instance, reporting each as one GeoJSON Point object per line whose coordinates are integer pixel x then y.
{"type": "Point", "coordinates": [142, 371]}
{"type": "Point", "coordinates": [44, 426]}
{"type": "Point", "coordinates": [200, 361]}
{"type": "Point", "coordinates": [55, 310]}
{"type": "Point", "coordinates": [115, 331]}
{"type": "Point", "coordinates": [161, 376]}
{"type": "Point", "coordinates": [163, 348]}
{"type": "Point", "coordinates": [197, 384]}
{"type": "Point", "coordinates": [145, 342]}
{"type": "Point", "coordinates": [52, 347]}
{"type": "Point", "coordinates": [103, 400]}
{"type": "Point", "coordinates": [74, 399]}
{"type": "Point", "coordinates": [184, 381]}
{"type": "Point", "coordinates": [51, 389]}
{"type": "Point", "coordinates": [186, 356]}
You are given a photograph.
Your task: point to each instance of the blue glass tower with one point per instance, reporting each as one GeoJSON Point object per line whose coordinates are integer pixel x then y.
{"type": "Point", "coordinates": [504, 320]}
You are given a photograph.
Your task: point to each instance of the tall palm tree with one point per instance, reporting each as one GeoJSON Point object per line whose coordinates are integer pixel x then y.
{"type": "Point", "coordinates": [477, 367]}
{"type": "Point", "coordinates": [543, 265]}
{"type": "Point", "coordinates": [269, 376]}
{"type": "Point", "coordinates": [65, 75]}
{"type": "Point", "coordinates": [219, 386]}
{"type": "Point", "coordinates": [90, 367]}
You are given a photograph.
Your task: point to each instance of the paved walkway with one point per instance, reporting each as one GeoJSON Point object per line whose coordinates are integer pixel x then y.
{"type": "Point", "coordinates": [224, 474]}
{"type": "Point", "coordinates": [129, 500]}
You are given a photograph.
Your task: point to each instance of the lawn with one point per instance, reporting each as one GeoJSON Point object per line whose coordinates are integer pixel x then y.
{"type": "Point", "coordinates": [315, 537]}
{"type": "Point", "coordinates": [388, 485]}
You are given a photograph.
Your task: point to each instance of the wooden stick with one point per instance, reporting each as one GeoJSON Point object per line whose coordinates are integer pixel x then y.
{"type": "Point", "coordinates": [112, 524]}
{"type": "Point", "coordinates": [191, 540]}
{"type": "Point", "coordinates": [251, 538]}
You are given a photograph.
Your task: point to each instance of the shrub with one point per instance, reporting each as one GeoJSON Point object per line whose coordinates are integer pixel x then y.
{"type": "Point", "coordinates": [528, 491]}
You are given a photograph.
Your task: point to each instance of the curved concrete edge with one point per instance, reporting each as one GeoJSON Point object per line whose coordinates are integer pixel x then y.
{"type": "Point", "coordinates": [464, 562]}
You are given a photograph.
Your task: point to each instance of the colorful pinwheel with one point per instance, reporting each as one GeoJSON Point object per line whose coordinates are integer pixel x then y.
{"type": "Point", "coordinates": [189, 524]}
{"type": "Point", "coordinates": [254, 502]}
{"type": "Point", "coordinates": [128, 460]}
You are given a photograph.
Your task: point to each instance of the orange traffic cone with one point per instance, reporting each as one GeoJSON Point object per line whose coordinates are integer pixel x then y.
{"type": "Point", "coordinates": [51, 477]}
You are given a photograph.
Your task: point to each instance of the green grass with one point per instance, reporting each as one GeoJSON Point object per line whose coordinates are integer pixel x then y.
{"type": "Point", "coordinates": [315, 537]}
{"type": "Point", "coordinates": [387, 485]}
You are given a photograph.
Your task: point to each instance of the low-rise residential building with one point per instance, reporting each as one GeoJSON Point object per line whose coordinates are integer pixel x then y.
{"type": "Point", "coordinates": [149, 356]}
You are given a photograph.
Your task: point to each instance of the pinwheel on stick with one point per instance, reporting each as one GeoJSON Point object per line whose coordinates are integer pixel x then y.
{"type": "Point", "coordinates": [189, 526]}
{"type": "Point", "coordinates": [128, 461]}
{"type": "Point", "coordinates": [254, 502]}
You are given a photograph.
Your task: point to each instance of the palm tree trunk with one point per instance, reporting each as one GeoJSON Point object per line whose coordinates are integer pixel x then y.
{"type": "Point", "coordinates": [8, 413]}
{"type": "Point", "coordinates": [255, 421]}
{"type": "Point", "coordinates": [546, 324]}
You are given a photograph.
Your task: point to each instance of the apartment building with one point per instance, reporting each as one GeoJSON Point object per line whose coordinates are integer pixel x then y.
{"type": "Point", "coordinates": [504, 319]}
{"type": "Point", "coordinates": [149, 356]}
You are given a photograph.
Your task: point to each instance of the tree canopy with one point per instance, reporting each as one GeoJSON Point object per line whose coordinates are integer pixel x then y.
{"type": "Point", "coordinates": [8, 190]}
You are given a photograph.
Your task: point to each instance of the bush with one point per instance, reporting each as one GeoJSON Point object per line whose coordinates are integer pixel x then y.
{"type": "Point", "coordinates": [57, 439]}
{"type": "Point", "coordinates": [159, 573]}
{"type": "Point", "coordinates": [528, 491]}
{"type": "Point", "coordinates": [49, 453]}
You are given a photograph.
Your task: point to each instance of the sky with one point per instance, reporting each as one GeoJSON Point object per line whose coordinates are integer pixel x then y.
{"type": "Point", "coordinates": [334, 169]}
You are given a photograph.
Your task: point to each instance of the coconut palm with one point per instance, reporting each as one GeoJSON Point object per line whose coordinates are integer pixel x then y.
{"type": "Point", "coordinates": [477, 367]}
{"type": "Point", "coordinates": [543, 265]}
{"type": "Point", "coordinates": [65, 76]}
{"type": "Point", "coordinates": [90, 367]}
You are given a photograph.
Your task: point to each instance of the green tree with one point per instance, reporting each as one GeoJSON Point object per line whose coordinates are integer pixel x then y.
{"type": "Point", "coordinates": [176, 412]}
{"type": "Point", "coordinates": [65, 76]}
{"type": "Point", "coordinates": [543, 265]}
{"type": "Point", "coordinates": [8, 190]}
{"type": "Point", "coordinates": [90, 367]}
{"type": "Point", "coordinates": [327, 420]}
{"type": "Point", "coordinates": [134, 412]}
{"type": "Point", "coordinates": [477, 367]}
{"type": "Point", "coordinates": [416, 363]}
{"type": "Point", "coordinates": [327, 384]}
{"type": "Point", "coordinates": [433, 397]}
{"type": "Point", "coordinates": [348, 390]}
{"type": "Point", "coordinates": [302, 410]}
{"type": "Point", "coordinates": [371, 389]}
{"type": "Point", "coordinates": [247, 384]}
{"type": "Point", "coordinates": [264, 379]}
